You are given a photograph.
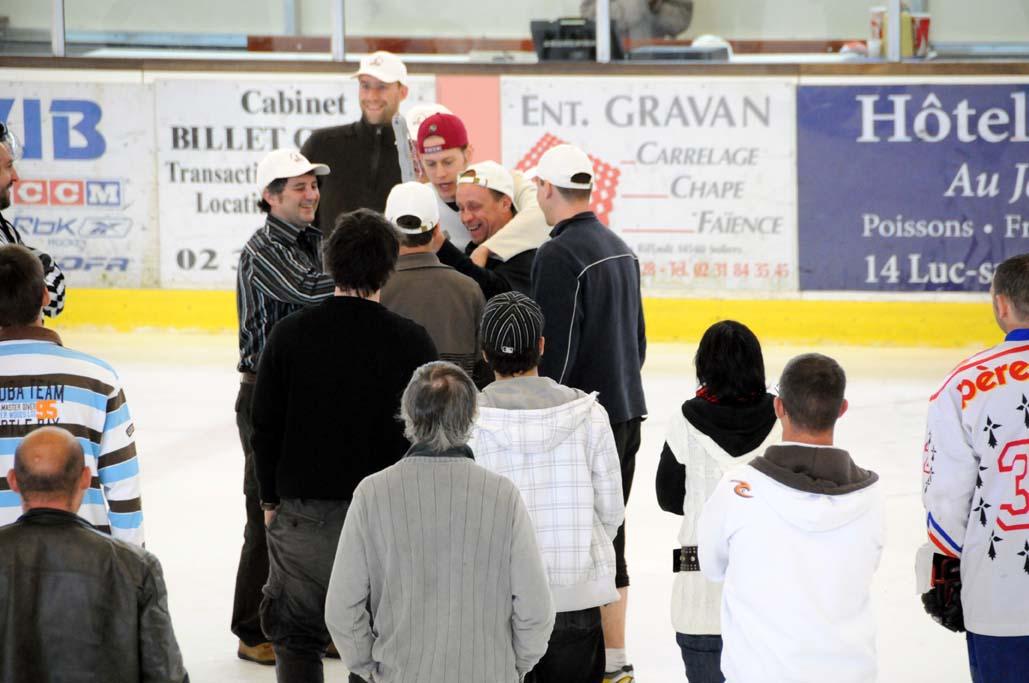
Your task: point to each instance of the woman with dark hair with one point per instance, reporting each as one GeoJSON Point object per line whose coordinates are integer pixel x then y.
{"type": "Point", "coordinates": [726, 424]}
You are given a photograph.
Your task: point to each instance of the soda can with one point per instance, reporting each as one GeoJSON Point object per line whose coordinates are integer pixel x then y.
{"type": "Point", "coordinates": [876, 22]}
{"type": "Point", "coordinates": [920, 32]}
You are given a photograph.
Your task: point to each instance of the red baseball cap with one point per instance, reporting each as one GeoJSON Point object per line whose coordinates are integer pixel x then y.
{"type": "Point", "coordinates": [446, 126]}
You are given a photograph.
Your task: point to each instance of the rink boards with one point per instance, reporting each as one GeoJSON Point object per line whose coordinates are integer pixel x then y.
{"type": "Point", "coordinates": [794, 320]}
{"type": "Point", "coordinates": [846, 209]}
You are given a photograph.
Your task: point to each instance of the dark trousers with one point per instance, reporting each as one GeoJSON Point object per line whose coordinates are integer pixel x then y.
{"type": "Point", "coordinates": [995, 659]}
{"type": "Point", "coordinates": [302, 542]}
{"type": "Point", "coordinates": [702, 657]}
{"type": "Point", "coordinates": [253, 559]}
{"type": "Point", "coordinates": [627, 443]}
{"type": "Point", "coordinates": [575, 653]}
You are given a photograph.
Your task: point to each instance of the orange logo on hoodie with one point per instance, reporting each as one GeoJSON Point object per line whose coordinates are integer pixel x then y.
{"type": "Point", "coordinates": [742, 488]}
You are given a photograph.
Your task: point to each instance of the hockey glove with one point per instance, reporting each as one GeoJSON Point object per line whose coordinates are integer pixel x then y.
{"type": "Point", "coordinates": [943, 600]}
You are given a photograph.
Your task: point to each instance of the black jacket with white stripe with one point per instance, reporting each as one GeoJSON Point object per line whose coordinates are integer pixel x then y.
{"type": "Point", "coordinates": [587, 281]}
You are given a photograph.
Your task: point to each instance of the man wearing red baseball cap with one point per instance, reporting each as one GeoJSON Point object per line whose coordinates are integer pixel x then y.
{"type": "Point", "coordinates": [364, 153]}
{"type": "Point", "coordinates": [445, 154]}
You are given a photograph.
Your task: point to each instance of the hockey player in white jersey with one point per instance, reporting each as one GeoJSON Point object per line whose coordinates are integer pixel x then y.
{"type": "Point", "coordinates": [974, 572]}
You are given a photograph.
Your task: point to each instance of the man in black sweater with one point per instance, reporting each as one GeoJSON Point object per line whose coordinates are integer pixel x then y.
{"type": "Point", "coordinates": [325, 405]}
{"type": "Point", "coordinates": [587, 281]}
{"type": "Point", "coordinates": [363, 154]}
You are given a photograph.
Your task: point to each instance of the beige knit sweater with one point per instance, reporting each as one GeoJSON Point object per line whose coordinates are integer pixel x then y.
{"type": "Point", "coordinates": [438, 576]}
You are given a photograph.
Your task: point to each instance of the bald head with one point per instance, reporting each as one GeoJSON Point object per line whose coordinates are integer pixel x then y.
{"type": "Point", "coordinates": [49, 470]}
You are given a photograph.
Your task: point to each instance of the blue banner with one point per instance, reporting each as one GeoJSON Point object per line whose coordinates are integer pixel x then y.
{"type": "Point", "coordinates": [911, 187]}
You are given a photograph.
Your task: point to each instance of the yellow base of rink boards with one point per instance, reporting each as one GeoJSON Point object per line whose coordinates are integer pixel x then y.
{"type": "Point", "coordinates": [893, 323]}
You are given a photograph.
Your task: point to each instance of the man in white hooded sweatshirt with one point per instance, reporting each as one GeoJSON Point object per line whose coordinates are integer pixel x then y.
{"type": "Point", "coordinates": [555, 443]}
{"type": "Point", "coordinates": [796, 536]}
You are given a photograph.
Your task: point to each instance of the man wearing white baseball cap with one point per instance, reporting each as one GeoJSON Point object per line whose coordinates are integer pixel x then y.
{"type": "Point", "coordinates": [446, 303]}
{"type": "Point", "coordinates": [364, 153]}
{"type": "Point", "coordinates": [587, 280]}
{"type": "Point", "coordinates": [485, 198]}
{"type": "Point", "coordinates": [279, 272]}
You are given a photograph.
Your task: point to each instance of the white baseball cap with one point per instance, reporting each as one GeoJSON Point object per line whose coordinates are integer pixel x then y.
{"type": "Point", "coordinates": [488, 174]}
{"type": "Point", "coordinates": [412, 199]}
{"type": "Point", "coordinates": [560, 164]}
{"type": "Point", "coordinates": [383, 65]}
{"type": "Point", "coordinates": [418, 113]}
{"type": "Point", "coordinates": [285, 163]}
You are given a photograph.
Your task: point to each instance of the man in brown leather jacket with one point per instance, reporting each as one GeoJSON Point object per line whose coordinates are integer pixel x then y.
{"type": "Point", "coordinates": [76, 603]}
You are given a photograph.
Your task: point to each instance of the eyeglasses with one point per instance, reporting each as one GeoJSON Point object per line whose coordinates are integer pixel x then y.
{"type": "Point", "coordinates": [9, 140]}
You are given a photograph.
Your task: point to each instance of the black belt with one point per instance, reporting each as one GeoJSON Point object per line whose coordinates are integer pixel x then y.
{"type": "Point", "coordinates": [685, 559]}
{"type": "Point", "coordinates": [248, 378]}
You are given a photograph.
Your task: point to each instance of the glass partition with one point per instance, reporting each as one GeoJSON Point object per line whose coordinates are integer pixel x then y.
{"type": "Point", "coordinates": [987, 29]}
{"type": "Point", "coordinates": [183, 28]}
{"type": "Point", "coordinates": [500, 31]}
{"type": "Point", "coordinates": [24, 28]}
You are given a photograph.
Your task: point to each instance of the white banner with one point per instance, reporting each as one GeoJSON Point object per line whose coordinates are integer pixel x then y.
{"type": "Point", "coordinates": [698, 175]}
{"type": "Point", "coordinates": [211, 135]}
{"type": "Point", "coordinates": [86, 194]}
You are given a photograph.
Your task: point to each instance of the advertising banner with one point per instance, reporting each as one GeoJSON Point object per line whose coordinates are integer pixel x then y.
{"type": "Point", "coordinates": [911, 187]}
{"type": "Point", "coordinates": [696, 175]}
{"type": "Point", "coordinates": [86, 189]}
{"type": "Point", "coordinates": [211, 134]}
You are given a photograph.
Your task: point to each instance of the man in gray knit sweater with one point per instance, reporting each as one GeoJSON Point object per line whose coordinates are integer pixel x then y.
{"type": "Point", "coordinates": [440, 555]}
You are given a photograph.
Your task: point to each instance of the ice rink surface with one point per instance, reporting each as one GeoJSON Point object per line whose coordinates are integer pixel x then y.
{"type": "Point", "coordinates": [181, 388]}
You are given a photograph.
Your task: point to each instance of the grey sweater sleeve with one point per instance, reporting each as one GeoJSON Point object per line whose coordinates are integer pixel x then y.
{"type": "Point", "coordinates": [346, 611]}
{"type": "Point", "coordinates": [533, 617]}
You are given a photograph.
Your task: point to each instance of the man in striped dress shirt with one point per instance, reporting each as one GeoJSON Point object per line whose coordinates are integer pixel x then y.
{"type": "Point", "coordinates": [279, 273]}
{"type": "Point", "coordinates": [52, 273]}
{"type": "Point", "coordinates": [44, 383]}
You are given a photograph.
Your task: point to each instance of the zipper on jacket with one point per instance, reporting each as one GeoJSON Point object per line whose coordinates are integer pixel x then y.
{"type": "Point", "coordinates": [376, 149]}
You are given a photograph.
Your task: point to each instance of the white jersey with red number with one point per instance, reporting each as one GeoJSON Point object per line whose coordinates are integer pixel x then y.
{"type": "Point", "coordinates": [975, 483]}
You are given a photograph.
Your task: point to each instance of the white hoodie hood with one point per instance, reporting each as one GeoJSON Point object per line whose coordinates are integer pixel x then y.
{"type": "Point", "coordinates": [535, 431]}
{"type": "Point", "coordinates": [814, 513]}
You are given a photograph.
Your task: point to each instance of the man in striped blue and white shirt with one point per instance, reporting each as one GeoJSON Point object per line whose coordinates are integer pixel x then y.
{"type": "Point", "coordinates": [44, 383]}
{"type": "Point", "coordinates": [279, 273]}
